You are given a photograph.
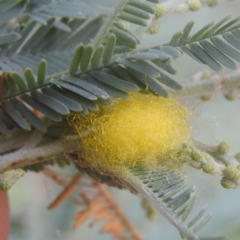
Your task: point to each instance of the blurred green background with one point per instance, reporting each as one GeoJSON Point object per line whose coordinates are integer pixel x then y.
{"type": "Point", "coordinates": [212, 122]}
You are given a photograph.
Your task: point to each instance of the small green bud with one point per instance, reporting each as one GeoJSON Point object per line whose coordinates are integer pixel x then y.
{"type": "Point", "coordinates": [194, 5]}
{"type": "Point", "coordinates": [196, 165]}
{"type": "Point", "coordinates": [206, 98]}
{"type": "Point", "coordinates": [228, 184]}
{"type": "Point", "coordinates": [8, 178]}
{"type": "Point", "coordinates": [154, 28]}
{"type": "Point", "coordinates": [229, 97]}
{"type": "Point", "coordinates": [186, 151]}
{"type": "Point", "coordinates": [188, 144]}
{"type": "Point", "coordinates": [209, 168]}
{"type": "Point", "coordinates": [231, 172]}
{"type": "Point", "coordinates": [160, 11]}
{"type": "Point", "coordinates": [212, 3]}
{"type": "Point", "coordinates": [206, 74]}
{"type": "Point", "coordinates": [197, 156]}
{"type": "Point", "coordinates": [150, 211]}
{"type": "Point", "coordinates": [223, 148]}
{"type": "Point", "coordinates": [237, 156]}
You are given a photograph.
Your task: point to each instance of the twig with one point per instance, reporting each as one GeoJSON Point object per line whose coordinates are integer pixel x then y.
{"type": "Point", "coordinates": [215, 84]}
{"type": "Point", "coordinates": [24, 157]}
{"type": "Point", "coordinates": [66, 192]}
{"type": "Point", "coordinates": [119, 212]}
{"type": "Point", "coordinates": [56, 177]}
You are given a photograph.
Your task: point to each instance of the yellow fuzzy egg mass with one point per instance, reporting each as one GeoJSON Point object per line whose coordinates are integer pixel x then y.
{"type": "Point", "coordinates": [142, 129]}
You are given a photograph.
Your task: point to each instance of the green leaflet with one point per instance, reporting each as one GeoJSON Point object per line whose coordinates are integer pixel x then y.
{"type": "Point", "coordinates": [41, 73]}
{"type": "Point", "coordinates": [86, 57]}
{"type": "Point", "coordinates": [30, 78]}
{"type": "Point", "coordinates": [76, 60]}
{"type": "Point", "coordinates": [137, 12]}
{"type": "Point", "coordinates": [133, 19]}
{"type": "Point", "coordinates": [42, 108]}
{"type": "Point", "coordinates": [141, 5]}
{"type": "Point", "coordinates": [217, 54]}
{"type": "Point", "coordinates": [113, 81]}
{"type": "Point", "coordinates": [205, 57]}
{"type": "Point", "coordinates": [29, 115]}
{"type": "Point", "coordinates": [50, 102]}
{"type": "Point", "coordinates": [9, 37]}
{"type": "Point", "coordinates": [124, 37]}
{"type": "Point", "coordinates": [15, 115]}
{"type": "Point", "coordinates": [108, 50]}
{"type": "Point", "coordinates": [97, 56]}
{"type": "Point", "coordinates": [68, 102]}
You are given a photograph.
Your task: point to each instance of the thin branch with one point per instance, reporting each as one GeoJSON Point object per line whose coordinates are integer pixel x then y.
{"type": "Point", "coordinates": [174, 6]}
{"type": "Point", "coordinates": [66, 192]}
{"type": "Point", "coordinates": [59, 179]}
{"type": "Point", "coordinates": [23, 157]}
{"type": "Point", "coordinates": [213, 85]}
{"type": "Point", "coordinates": [119, 212]}
{"type": "Point", "coordinates": [227, 159]}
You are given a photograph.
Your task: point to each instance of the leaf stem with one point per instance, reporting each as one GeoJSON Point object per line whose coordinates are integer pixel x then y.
{"type": "Point", "coordinates": [25, 156]}
{"type": "Point", "coordinates": [108, 23]}
{"type": "Point", "coordinates": [169, 215]}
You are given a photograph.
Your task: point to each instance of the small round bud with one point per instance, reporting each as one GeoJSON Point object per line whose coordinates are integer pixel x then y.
{"type": "Point", "coordinates": [188, 144]}
{"type": "Point", "coordinates": [229, 97]}
{"type": "Point", "coordinates": [194, 5]}
{"type": "Point", "coordinates": [186, 151]}
{"type": "Point", "coordinates": [8, 178]}
{"type": "Point", "coordinates": [160, 10]}
{"type": "Point", "coordinates": [209, 168]}
{"type": "Point", "coordinates": [206, 74]}
{"type": "Point", "coordinates": [154, 28]}
{"type": "Point", "coordinates": [231, 172]}
{"type": "Point", "coordinates": [150, 211]}
{"type": "Point", "coordinates": [212, 3]}
{"type": "Point", "coordinates": [228, 184]}
{"type": "Point", "coordinates": [206, 156]}
{"type": "Point", "coordinates": [223, 148]}
{"type": "Point", "coordinates": [206, 98]}
{"type": "Point", "coordinates": [237, 156]}
{"type": "Point", "coordinates": [196, 165]}
{"type": "Point", "coordinates": [197, 156]}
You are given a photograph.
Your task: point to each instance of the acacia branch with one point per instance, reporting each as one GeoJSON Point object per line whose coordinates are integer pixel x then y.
{"type": "Point", "coordinates": [24, 157]}
{"type": "Point", "coordinates": [216, 84]}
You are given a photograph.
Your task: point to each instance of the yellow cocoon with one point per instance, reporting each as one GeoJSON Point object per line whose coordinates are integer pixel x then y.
{"type": "Point", "coordinates": [144, 129]}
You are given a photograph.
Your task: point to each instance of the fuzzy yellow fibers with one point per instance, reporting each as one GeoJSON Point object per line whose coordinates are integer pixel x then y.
{"type": "Point", "coordinates": [141, 129]}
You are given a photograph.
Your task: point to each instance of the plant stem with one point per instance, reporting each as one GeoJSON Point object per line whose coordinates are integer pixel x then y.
{"type": "Point", "coordinates": [23, 157]}
{"type": "Point", "coordinates": [217, 83]}
{"type": "Point", "coordinates": [108, 23]}
{"type": "Point", "coordinates": [226, 159]}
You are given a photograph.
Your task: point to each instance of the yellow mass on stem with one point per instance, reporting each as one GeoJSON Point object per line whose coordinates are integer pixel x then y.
{"type": "Point", "coordinates": [144, 129]}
